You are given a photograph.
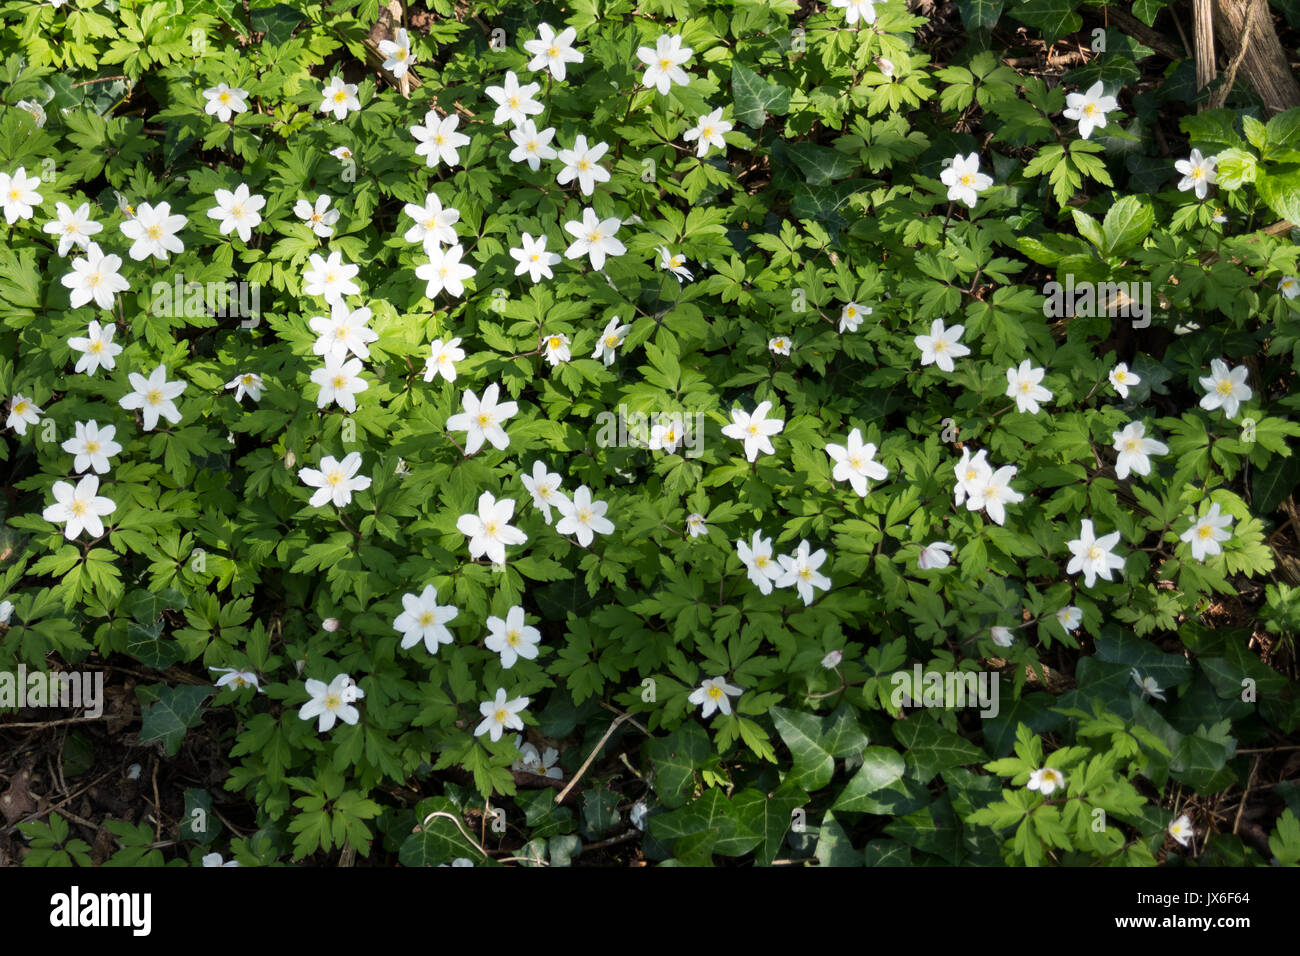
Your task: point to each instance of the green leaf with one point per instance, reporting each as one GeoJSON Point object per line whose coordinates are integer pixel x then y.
{"type": "Point", "coordinates": [813, 764]}
{"type": "Point", "coordinates": [929, 749]}
{"type": "Point", "coordinates": [881, 767]}
{"type": "Point", "coordinates": [174, 710]}
{"type": "Point", "coordinates": [755, 97]}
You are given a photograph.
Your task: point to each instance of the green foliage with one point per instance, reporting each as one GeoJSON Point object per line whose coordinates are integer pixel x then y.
{"type": "Point", "coordinates": [822, 219]}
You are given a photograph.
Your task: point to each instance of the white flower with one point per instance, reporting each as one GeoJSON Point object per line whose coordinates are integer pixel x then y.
{"type": "Point", "coordinates": [1089, 109]}
{"type": "Point", "coordinates": [22, 412]}
{"type": "Point", "coordinates": [580, 163]}
{"type": "Point", "coordinates": [1206, 532]}
{"type": "Point", "coordinates": [154, 396]}
{"type": "Point", "coordinates": [424, 619]}
{"type": "Point", "coordinates": [762, 569]}
{"type": "Point", "coordinates": [35, 108]}
{"type": "Point", "coordinates": [1148, 686]}
{"type": "Point", "coordinates": [211, 859]}
{"type": "Point", "coordinates": [482, 419]}
{"type": "Point", "coordinates": [594, 237]}
{"type": "Point", "coordinates": [1198, 173]}
{"type": "Point", "coordinates": [676, 264]}
{"type": "Point", "coordinates": [582, 516]}
{"type": "Point", "coordinates": [231, 677]}
{"type": "Point", "coordinates": [856, 462]}
{"type": "Point", "coordinates": [93, 446]}
{"type": "Point", "coordinates": [224, 101]}
{"type": "Point", "coordinates": [333, 702]}
{"type": "Point", "coordinates": [515, 103]}
{"type": "Point", "coordinates": [438, 139]}
{"type": "Point", "coordinates": [540, 764]}
{"type": "Point", "coordinates": [1182, 830]}
{"type": "Point", "coordinates": [942, 345]}
{"type": "Point", "coordinates": [1002, 636]}
{"type": "Point", "coordinates": [708, 131]}
{"type": "Point", "coordinates": [442, 359]}
{"type": "Point", "coordinates": [799, 570]}
{"type": "Point", "coordinates": [512, 638]}
{"type": "Point", "coordinates": [433, 224]}
{"type": "Point", "coordinates": [780, 345]}
{"type": "Point", "coordinates": [489, 531]}
{"type": "Point", "coordinates": [610, 340]}
{"type": "Point", "coordinates": [397, 54]}
{"type": "Point", "coordinates": [552, 51]}
{"type": "Point", "coordinates": [330, 624]}
{"type": "Point", "coordinates": [1070, 617]}
{"type": "Point", "coordinates": [531, 145]}
{"type": "Point", "coordinates": [18, 195]}
{"type": "Point", "coordinates": [851, 316]}
{"type": "Point", "coordinates": [318, 216]}
{"type": "Point", "coordinates": [557, 349]}
{"type": "Point", "coordinates": [971, 474]}
{"type": "Point", "coordinates": [666, 436]}
{"type": "Point", "coordinates": [238, 211]}
{"type": "Point", "coordinates": [342, 153]}
{"type": "Point", "coordinates": [1225, 388]}
{"type": "Point", "coordinates": [1092, 555]}
{"type": "Point", "coordinates": [712, 695]}
{"type": "Point", "coordinates": [1289, 286]}
{"type": "Point", "coordinates": [636, 816]}
{"type": "Point", "coordinates": [79, 508]}
{"type": "Point", "coordinates": [855, 10]}
{"type": "Point", "coordinates": [338, 98]}
{"type": "Point", "coordinates": [1023, 385]}
{"type": "Point", "coordinates": [153, 232]}
{"type": "Point", "coordinates": [444, 271]}
{"type": "Point", "coordinates": [1134, 450]}
{"type": "Point", "coordinates": [1122, 379]}
{"type": "Point", "coordinates": [95, 277]}
{"type": "Point", "coordinates": [343, 331]}
{"type": "Point", "coordinates": [1046, 781]}
{"type": "Point", "coordinates": [544, 486]}
{"type": "Point", "coordinates": [334, 481]}
{"type": "Point", "coordinates": [461, 861]}
{"type": "Point", "coordinates": [72, 228]}
{"type": "Point", "coordinates": [249, 383]}
{"type": "Point", "coordinates": [533, 258]}
{"type": "Point", "coordinates": [339, 382]}
{"type": "Point", "coordinates": [755, 430]}
{"type": "Point", "coordinates": [329, 278]}
{"type": "Point", "coordinates": [832, 660]}
{"type": "Point", "coordinates": [97, 348]}
{"type": "Point", "coordinates": [964, 179]}
{"type": "Point", "coordinates": [696, 526]}
{"type": "Point", "coordinates": [993, 493]}
{"type": "Point", "coordinates": [6, 612]}
{"type": "Point", "coordinates": [500, 714]}
{"type": "Point", "coordinates": [934, 555]}
{"type": "Point", "coordinates": [664, 63]}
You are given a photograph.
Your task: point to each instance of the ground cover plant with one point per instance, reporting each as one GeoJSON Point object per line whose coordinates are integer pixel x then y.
{"type": "Point", "coordinates": [679, 432]}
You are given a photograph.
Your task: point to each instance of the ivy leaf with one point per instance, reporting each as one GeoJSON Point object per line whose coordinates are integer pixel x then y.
{"type": "Point", "coordinates": [755, 97]}
{"type": "Point", "coordinates": [929, 748]}
{"type": "Point", "coordinates": [813, 764]}
{"type": "Point", "coordinates": [173, 711]}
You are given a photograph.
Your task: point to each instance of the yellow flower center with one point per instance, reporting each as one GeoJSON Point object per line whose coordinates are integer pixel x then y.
{"type": "Point", "coordinates": [554, 341]}
{"type": "Point", "coordinates": [426, 619]}
{"type": "Point", "coordinates": [715, 693]}
{"type": "Point", "coordinates": [553, 51]}
{"type": "Point", "coordinates": [154, 232]}
{"type": "Point", "coordinates": [92, 447]}
{"type": "Point", "coordinates": [484, 420]}
{"type": "Point", "coordinates": [78, 506]}
{"type": "Point", "coordinates": [334, 477]}
{"type": "Point", "coordinates": [665, 64]}
{"type": "Point", "coordinates": [333, 702]}
{"type": "Point", "coordinates": [1205, 531]}
{"type": "Point", "coordinates": [340, 381]}
{"type": "Point", "coordinates": [154, 396]}
{"type": "Point", "coordinates": [94, 279]}
{"type": "Point", "coordinates": [224, 97]}
{"type": "Point", "coordinates": [1094, 553]}
{"type": "Point", "coordinates": [513, 638]}
{"type": "Point", "coordinates": [237, 211]}
{"type": "Point", "coordinates": [501, 715]}
{"type": "Point", "coordinates": [340, 96]}
{"type": "Point", "coordinates": [1224, 387]}
{"type": "Point", "coordinates": [96, 347]}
